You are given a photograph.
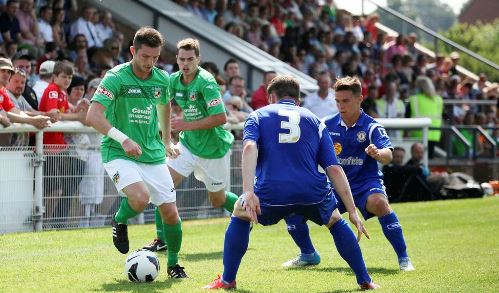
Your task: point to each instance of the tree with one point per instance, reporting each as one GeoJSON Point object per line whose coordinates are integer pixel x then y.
{"type": "Point", "coordinates": [430, 13]}
{"type": "Point", "coordinates": [481, 39]}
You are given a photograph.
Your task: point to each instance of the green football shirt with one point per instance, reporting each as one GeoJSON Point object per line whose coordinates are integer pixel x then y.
{"type": "Point", "coordinates": [200, 99]}
{"type": "Point", "coordinates": [131, 107]}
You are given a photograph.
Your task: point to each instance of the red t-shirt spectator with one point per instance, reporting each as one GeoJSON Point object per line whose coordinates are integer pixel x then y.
{"type": "Point", "coordinates": [5, 102]}
{"type": "Point", "coordinates": [259, 98]}
{"type": "Point", "coordinates": [54, 98]}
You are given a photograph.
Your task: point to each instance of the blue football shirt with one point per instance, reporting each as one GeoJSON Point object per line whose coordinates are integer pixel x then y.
{"type": "Point", "coordinates": [292, 142]}
{"type": "Point", "coordinates": [350, 144]}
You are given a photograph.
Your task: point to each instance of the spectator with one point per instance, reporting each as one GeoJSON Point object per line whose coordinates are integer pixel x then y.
{"type": "Point", "coordinates": [416, 160]}
{"type": "Point", "coordinates": [370, 25]}
{"type": "Point", "coordinates": [9, 24]}
{"type": "Point", "coordinates": [45, 28]}
{"type": "Point", "coordinates": [454, 57]}
{"type": "Point", "coordinates": [58, 31]}
{"type": "Point", "coordinates": [50, 54]}
{"type": "Point", "coordinates": [92, 87]}
{"type": "Point", "coordinates": [234, 105]}
{"type": "Point", "coordinates": [46, 69]}
{"type": "Point", "coordinates": [260, 98]}
{"type": "Point", "coordinates": [105, 27]}
{"type": "Point", "coordinates": [85, 26]}
{"type": "Point", "coordinates": [231, 68]}
{"type": "Point", "coordinates": [390, 106]}
{"type": "Point", "coordinates": [322, 102]}
{"type": "Point", "coordinates": [10, 49]}
{"type": "Point", "coordinates": [23, 62]}
{"type": "Point", "coordinates": [63, 167]}
{"type": "Point", "coordinates": [395, 48]}
{"type": "Point", "coordinates": [17, 108]}
{"type": "Point", "coordinates": [28, 23]}
{"type": "Point", "coordinates": [78, 45]}
{"type": "Point", "coordinates": [426, 104]}
{"type": "Point", "coordinates": [369, 102]}
{"type": "Point", "coordinates": [208, 10]}
{"type": "Point", "coordinates": [237, 88]}
{"type": "Point", "coordinates": [458, 147]}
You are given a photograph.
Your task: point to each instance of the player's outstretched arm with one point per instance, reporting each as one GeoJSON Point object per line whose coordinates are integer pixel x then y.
{"type": "Point", "coordinates": [251, 203]}
{"type": "Point", "coordinates": [340, 183]}
{"type": "Point", "coordinates": [96, 119]}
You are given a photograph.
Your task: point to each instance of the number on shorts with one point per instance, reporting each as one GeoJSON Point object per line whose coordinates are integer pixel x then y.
{"type": "Point", "coordinates": [293, 125]}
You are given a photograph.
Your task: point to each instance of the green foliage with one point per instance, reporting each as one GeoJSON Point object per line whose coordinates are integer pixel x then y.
{"type": "Point", "coordinates": [430, 13]}
{"type": "Point", "coordinates": [453, 245]}
{"type": "Point", "coordinates": [480, 38]}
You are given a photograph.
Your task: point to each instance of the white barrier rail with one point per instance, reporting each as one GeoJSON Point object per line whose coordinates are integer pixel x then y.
{"type": "Point", "coordinates": [77, 127]}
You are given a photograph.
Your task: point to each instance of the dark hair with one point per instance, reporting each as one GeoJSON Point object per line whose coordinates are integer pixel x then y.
{"type": "Point", "coordinates": [76, 81]}
{"type": "Point", "coordinates": [211, 67]}
{"type": "Point", "coordinates": [63, 67]}
{"type": "Point", "coordinates": [231, 60]}
{"type": "Point", "coordinates": [236, 77]}
{"type": "Point", "coordinates": [189, 44]}
{"type": "Point", "coordinates": [284, 86]}
{"type": "Point", "coordinates": [50, 46]}
{"type": "Point", "coordinates": [397, 148]}
{"type": "Point", "coordinates": [148, 36]}
{"type": "Point", "coordinates": [22, 57]}
{"type": "Point", "coordinates": [348, 84]}
{"type": "Point", "coordinates": [268, 72]}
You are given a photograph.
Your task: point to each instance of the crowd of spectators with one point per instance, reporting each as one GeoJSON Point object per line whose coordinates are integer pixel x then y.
{"type": "Point", "coordinates": [318, 39]}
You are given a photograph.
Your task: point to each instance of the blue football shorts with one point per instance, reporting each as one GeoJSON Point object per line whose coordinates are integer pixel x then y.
{"type": "Point", "coordinates": [319, 213]}
{"type": "Point", "coordinates": [360, 196]}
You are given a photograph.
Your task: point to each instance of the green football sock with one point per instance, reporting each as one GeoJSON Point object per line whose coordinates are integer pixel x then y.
{"type": "Point", "coordinates": [159, 225]}
{"type": "Point", "coordinates": [125, 212]}
{"type": "Point", "coordinates": [230, 200]}
{"type": "Point", "coordinates": [173, 237]}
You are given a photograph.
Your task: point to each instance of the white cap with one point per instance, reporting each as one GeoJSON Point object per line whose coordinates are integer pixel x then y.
{"type": "Point", "coordinates": [47, 67]}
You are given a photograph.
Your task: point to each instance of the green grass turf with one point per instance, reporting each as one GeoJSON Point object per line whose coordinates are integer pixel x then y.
{"type": "Point", "coordinates": [454, 246]}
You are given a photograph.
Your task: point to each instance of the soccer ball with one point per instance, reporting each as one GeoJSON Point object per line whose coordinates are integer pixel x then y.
{"type": "Point", "coordinates": [142, 266]}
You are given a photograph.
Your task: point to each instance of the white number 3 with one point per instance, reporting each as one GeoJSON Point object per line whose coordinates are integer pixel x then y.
{"type": "Point", "coordinates": [293, 125]}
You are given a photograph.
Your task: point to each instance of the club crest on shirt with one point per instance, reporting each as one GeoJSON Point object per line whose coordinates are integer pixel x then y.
{"type": "Point", "coordinates": [116, 177]}
{"type": "Point", "coordinates": [157, 92]}
{"type": "Point", "coordinates": [53, 95]}
{"type": "Point", "coordinates": [361, 136]}
{"type": "Point", "coordinates": [192, 96]}
{"type": "Point", "coordinates": [338, 148]}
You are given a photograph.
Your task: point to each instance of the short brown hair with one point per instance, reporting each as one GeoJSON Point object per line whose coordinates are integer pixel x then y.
{"type": "Point", "coordinates": [348, 84]}
{"type": "Point", "coordinates": [189, 44]}
{"type": "Point", "coordinates": [148, 36]}
{"type": "Point", "coordinates": [284, 86]}
{"type": "Point", "coordinates": [63, 67]}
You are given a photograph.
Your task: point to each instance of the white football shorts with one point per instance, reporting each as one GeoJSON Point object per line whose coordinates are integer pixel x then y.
{"type": "Point", "coordinates": [212, 172]}
{"type": "Point", "coordinates": [156, 177]}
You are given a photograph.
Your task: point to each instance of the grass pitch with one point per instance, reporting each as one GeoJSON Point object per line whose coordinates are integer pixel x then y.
{"type": "Point", "coordinates": [454, 246]}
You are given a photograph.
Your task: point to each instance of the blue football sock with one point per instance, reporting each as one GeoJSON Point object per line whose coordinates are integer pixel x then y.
{"type": "Point", "coordinates": [300, 234]}
{"type": "Point", "coordinates": [349, 249]}
{"type": "Point", "coordinates": [235, 246]}
{"type": "Point", "coordinates": [393, 232]}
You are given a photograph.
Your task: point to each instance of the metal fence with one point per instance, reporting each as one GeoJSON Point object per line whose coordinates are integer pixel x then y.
{"type": "Point", "coordinates": [47, 187]}
{"type": "Point", "coordinates": [77, 193]}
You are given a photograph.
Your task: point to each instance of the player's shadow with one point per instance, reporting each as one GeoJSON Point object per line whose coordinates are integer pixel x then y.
{"type": "Point", "coordinates": [202, 256]}
{"type": "Point", "coordinates": [371, 270]}
{"type": "Point", "coordinates": [125, 285]}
